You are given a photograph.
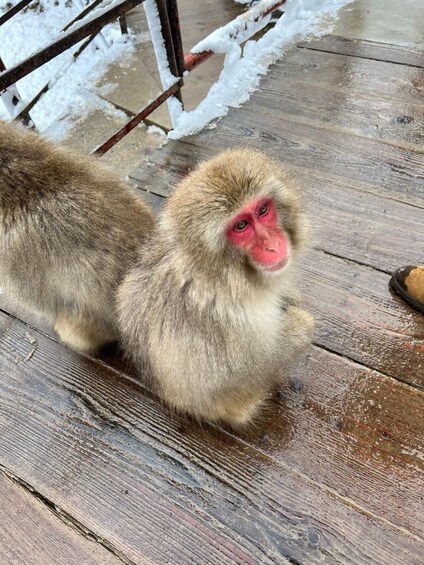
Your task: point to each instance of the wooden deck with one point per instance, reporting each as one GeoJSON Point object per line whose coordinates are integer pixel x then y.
{"type": "Point", "coordinates": [94, 470]}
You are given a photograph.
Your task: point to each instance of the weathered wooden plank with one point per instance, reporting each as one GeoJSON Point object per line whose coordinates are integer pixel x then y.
{"type": "Point", "coordinates": [333, 395]}
{"type": "Point", "coordinates": [31, 533]}
{"type": "Point", "coordinates": [372, 230]}
{"type": "Point", "coordinates": [355, 430]}
{"type": "Point", "coordinates": [360, 97]}
{"type": "Point", "coordinates": [367, 164]}
{"type": "Point", "coordinates": [95, 445]}
{"type": "Point", "coordinates": [386, 170]}
{"type": "Point", "coordinates": [356, 316]}
{"type": "Point", "coordinates": [347, 221]}
{"type": "Point", "coordinates": [362, 48]}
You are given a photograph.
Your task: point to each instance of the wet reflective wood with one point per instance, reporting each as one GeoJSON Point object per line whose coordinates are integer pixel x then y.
{"type": "Point", "coordinates": [354, 430]}
{"type": "Point", "coordinates": [367, 99]}
{"type": "Point", "coordinates": [382, 169]}
{"type": "Point", "coordinates": [155, 486]}
{"type": "Point", "coordinates": [357, 317]}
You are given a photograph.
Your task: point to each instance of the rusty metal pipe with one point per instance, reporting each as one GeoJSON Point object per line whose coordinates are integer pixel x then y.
{"type": "Point", "coordinates": [174, 20]}
{"type": "Point", "coordinates": [193, 60]}
{"type": "Point", "coordinates": [101, 150]}
{"type": "Point", "coordinates": [20, 70]}
{"type": "Point", "coordinates": [10, 13]}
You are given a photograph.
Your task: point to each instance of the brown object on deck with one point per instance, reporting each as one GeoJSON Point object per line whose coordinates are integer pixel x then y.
{"type": "Point", "coordinates": [408, 282]}
{"type": "Point", "coordinates": [335, 471]}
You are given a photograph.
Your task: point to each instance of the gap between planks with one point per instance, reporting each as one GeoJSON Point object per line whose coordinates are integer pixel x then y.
{"type": "Point", "coordinates": [384, 52]}
{"type": "Point", "coordinates": [63, 516]}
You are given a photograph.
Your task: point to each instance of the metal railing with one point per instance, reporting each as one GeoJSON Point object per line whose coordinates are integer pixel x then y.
{"type": "Point", "coordinates": [74, 32]}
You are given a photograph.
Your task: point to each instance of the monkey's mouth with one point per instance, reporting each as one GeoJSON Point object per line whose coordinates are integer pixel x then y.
{"type": "Point", "coordinates": [276, 266]}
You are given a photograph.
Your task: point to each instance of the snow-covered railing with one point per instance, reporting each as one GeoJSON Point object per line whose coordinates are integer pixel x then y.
{"type": "Point", "coordinates": [245, 58]}
{"type": "Point", "coordinates": [65, 40]}
{"type": "Point", "coordinates": [239, 30]}
{"type": "Point", "coordinates": [163, 21]}
{"type": "Point", "coordinates": [162, 17]}
{"type": "Point", "coordinates": [71, 34]}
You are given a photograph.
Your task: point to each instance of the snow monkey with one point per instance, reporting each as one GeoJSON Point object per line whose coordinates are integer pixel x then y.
{"type": "Point", "coordinates": [69, 231]}
{"type": "Point", "coordinates": [209, 311]}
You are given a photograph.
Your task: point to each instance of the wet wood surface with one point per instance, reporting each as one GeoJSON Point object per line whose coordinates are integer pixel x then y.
{"type": "Point", "coordinates": [31, 533]}
{"type": "Point", "coordinates": [334, 471]}
{"type": "Point", "coordinates": [86, 430]}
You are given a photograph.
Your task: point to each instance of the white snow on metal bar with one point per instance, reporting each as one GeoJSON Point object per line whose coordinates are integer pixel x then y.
{"type": "Point", "coordinates": [243, 67]}
{"type": "Point", "coordinates": [223, 39]}
{"type": "Point", "coordinates": [72, 94]}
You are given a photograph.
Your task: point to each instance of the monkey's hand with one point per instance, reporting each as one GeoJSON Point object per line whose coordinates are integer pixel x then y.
{"type": "Point", "coordinates": [299, 328]}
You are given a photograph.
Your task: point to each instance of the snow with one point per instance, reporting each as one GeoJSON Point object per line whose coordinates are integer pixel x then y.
{"type": "Point", "coordinates": [155, 130]}
{"type": "Point", "coordinates": [72, 92]}
{"type": "Point", "coordinates": [152, 15]}
{"type": "Point", "coordinates": [243, 67]}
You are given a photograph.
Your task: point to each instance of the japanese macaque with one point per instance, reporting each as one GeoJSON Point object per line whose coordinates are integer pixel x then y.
{"type": "Point", "coordinates": [69, 231]}
{"type": "Point", "coordinates": [209, 312]}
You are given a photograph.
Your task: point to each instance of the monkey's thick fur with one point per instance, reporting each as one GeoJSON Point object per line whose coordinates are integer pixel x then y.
{"type": "Point", "coordinates": [213, 333]}
{"type": "Point", "coordinates": [69, 231]}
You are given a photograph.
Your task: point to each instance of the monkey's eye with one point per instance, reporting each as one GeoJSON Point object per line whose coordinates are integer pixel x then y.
{"type": "Point", "coordinates": [263, 209]}
{"type": "Point", "coordinates": [240, 226]}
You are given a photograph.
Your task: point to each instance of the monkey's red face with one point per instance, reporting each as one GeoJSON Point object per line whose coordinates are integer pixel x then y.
{"type": "Point", "coordinates": [255, 230]}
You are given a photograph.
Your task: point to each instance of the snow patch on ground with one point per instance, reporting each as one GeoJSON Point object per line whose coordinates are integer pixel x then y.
{"type": "Point", "coordinates": [73, 93]}
{"type": "Point", "coordinates": [155, 130]}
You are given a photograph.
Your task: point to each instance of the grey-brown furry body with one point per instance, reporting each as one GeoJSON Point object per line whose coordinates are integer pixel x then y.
{"type": "Point", "coordinates": [69, 231]}
{"type": "Point", "coordinates": [211, 332]}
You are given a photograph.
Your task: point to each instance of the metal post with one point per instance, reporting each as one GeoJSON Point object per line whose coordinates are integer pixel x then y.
{"type": "Point", "coordinates": [168, 40]}
{"type": "Point", "coordinates": [176, 35]}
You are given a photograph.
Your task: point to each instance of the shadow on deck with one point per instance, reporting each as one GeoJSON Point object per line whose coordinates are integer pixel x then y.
{"type": "Point", "coordinates": [94, 470]}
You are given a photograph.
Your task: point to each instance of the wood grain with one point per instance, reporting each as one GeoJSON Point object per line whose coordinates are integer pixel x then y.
{"type": "Point", "coordinates": [383, 169]}
{"type": "Point", "coordinates": [362, 48]}
{"type": "Point", "coordinates": [31, 533]}
{"type": "Point", "coordinates": [88, 439]}
{"type": "Point", "coordinates": [354, 430]}
{"type": "Point", "coordinates": [356, 316]}
{"type": "Point", "coordinates": [365, 98]}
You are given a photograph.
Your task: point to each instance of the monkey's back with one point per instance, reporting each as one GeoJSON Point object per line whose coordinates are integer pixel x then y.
{"type": "Point", "coordinates": [69, 229]}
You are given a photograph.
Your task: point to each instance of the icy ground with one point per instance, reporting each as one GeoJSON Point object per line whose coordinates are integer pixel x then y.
{"type": "Point", "coordinates": [73, 92]}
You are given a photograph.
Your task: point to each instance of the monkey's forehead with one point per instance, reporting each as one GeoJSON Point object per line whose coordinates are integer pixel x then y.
{"type": "Point", "coordinates": [223, 186]}
{"type": "Point", "coordinates": [228, 193]}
